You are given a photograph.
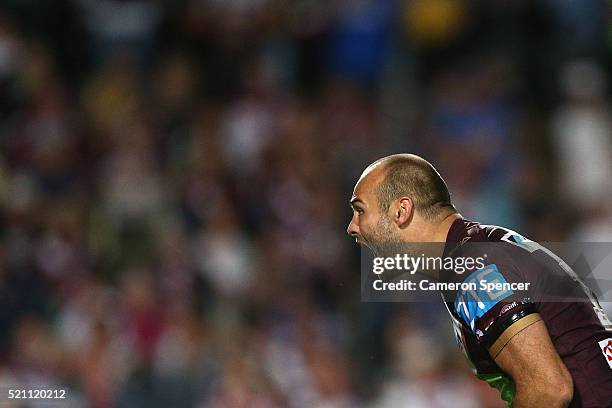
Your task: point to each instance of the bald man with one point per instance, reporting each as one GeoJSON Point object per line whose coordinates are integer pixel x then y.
{"type": "Point", "coordinates": [537, 353]}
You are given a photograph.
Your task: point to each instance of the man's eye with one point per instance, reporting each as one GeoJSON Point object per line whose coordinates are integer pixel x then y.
{"type": "Point", "coordinates": [359, 211]}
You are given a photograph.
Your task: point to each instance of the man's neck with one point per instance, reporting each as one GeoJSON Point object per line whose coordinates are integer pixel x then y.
{"type": "Point", "coordinates": [436, 231]}
{"type": "Point", "coordinates": [440, 232]}
{"type": "Point", "coordinates": [432, 233]}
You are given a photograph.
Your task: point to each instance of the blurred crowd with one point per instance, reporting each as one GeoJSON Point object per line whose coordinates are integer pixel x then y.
{"type": "Point", "coordinates": [174, 179]}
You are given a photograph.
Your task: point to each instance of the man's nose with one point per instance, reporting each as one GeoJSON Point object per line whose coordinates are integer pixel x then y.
{"type": "Point", "coordinates": [352, 229]}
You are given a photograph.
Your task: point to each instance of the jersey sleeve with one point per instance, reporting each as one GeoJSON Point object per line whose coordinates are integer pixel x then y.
{"type": "Point", "coordinates": [496, 302]}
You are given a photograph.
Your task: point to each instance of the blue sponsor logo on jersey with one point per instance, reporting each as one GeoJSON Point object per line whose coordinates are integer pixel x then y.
{"type": "Point", "coordinates": [471, 304]}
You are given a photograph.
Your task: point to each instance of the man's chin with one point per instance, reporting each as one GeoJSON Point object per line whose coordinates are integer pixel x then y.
{"type": "Point", "coordinates": [385, 249]}
{"type": "Point", "coordinates": [375, 249]}
{"type": "Point", "coordinates": [363, 243]}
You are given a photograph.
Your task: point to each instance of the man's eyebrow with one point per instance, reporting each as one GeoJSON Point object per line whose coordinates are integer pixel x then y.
{"type": "Point", "coordinates": [355, 200]}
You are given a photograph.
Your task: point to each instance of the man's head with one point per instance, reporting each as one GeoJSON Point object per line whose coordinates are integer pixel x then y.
{"type": "Point", "coordinates": [399, 198]}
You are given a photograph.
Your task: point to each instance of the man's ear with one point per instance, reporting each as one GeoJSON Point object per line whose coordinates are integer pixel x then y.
{"type": "Point", "coordinates": [404, 211]}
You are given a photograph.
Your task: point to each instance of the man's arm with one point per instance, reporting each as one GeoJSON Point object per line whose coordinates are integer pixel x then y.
{"type": "Point", "coordinates": [526, 353]}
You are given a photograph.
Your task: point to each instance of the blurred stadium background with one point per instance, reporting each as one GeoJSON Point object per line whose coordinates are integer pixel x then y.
{"type": "Point", "coordinates": [174, 178]}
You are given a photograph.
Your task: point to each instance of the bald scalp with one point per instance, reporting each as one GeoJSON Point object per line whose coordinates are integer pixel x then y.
{"type": "Point", "coordinates": [413, 176]}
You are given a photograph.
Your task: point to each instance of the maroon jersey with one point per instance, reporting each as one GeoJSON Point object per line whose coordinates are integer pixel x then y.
{"type": "Point", "coordinates": [485, 320]}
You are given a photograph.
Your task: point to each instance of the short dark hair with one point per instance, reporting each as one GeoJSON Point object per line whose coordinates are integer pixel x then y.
{"type": "Point", "coordinates": [411, 175]}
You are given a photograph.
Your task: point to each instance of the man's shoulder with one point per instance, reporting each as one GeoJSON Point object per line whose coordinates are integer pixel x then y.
{"type": "Point", "coordinates": [470, 237]}
{"type": "Point", "coordinates": [465, 230]}
{"type": "Point", "coordinates": [481, 232]}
